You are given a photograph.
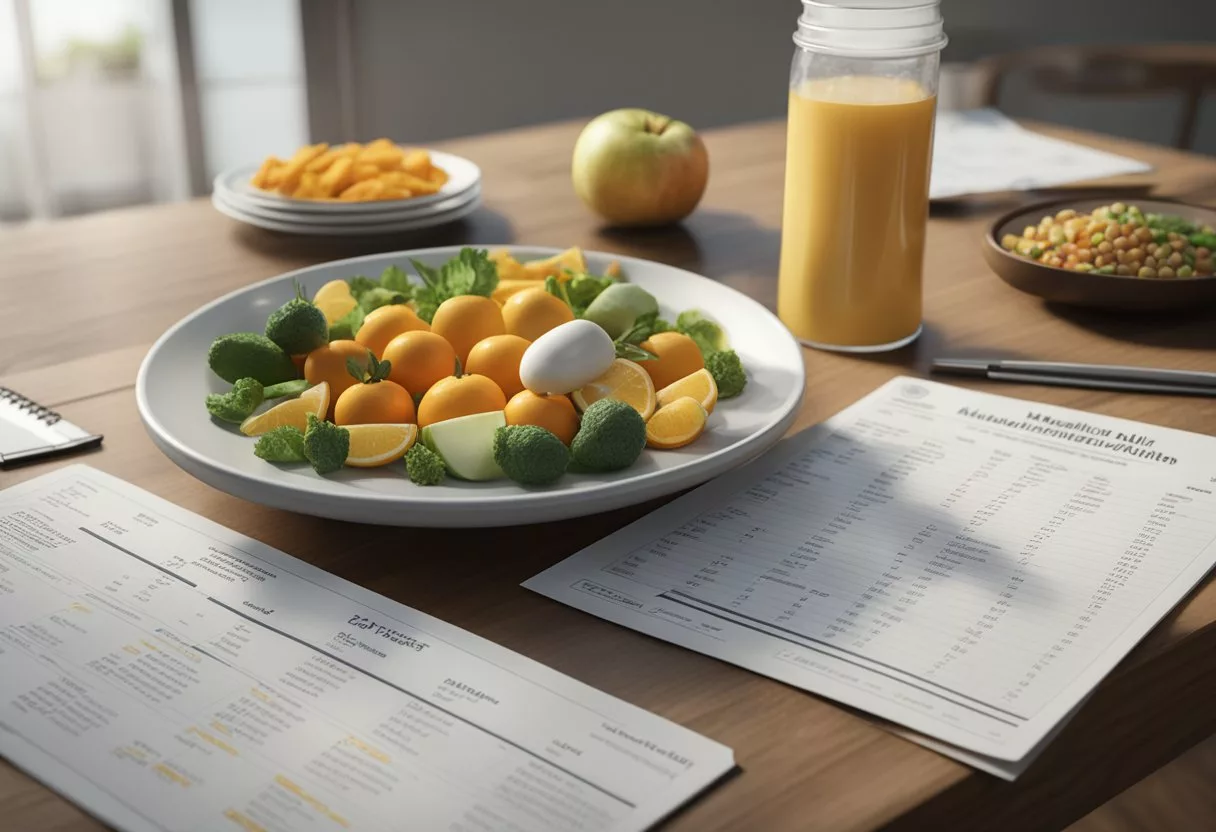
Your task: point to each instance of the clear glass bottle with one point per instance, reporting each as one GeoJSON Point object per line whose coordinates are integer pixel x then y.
{"type": "Point", "coordinates": [863, 93]}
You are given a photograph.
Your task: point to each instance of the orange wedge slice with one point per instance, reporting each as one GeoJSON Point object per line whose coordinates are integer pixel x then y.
{"type": "Point", "coordinates": [295, 412]}
{"type": "Point", "coordinates": [676, 424]}
{"type": "Point", "coordinates": [700, 386]}
{"type": "Point", "coordinates": [335, 300]}
{"type": "Point", "coordinates": [624, 381]}
{"type": "Point", "coordinates": [374, 445]}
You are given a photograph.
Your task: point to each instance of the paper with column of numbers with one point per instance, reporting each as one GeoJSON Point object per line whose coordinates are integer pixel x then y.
{"type": "Point", "coordinates": [964, 565]}
{"type": "Point", "coordinates": [167, 673]}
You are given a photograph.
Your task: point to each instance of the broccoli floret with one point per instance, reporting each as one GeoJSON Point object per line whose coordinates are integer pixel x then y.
{"type": "Point", "coordinates": [297, 326]}
{"type": "Point", "coordinates": [250, 355]}
{"type": "Point", "coordinates": [529, 454]}
{"type": "Point", "coordinates": [611, 437]}
{"type": "Point", "coordinates": [424, 466]}
{"type": "Point", "coordinates": [282, 444]}
{"type": "Point", "coordinates": [704, 330]}
{"type": "Point", "coordinates": [285, 389]}
{"type": "Point", "coordinates": [238, 403]}
{"type": "Point", "coordinates": [727, 370]}
{"type": "Point", "coordinates": [325, 445]}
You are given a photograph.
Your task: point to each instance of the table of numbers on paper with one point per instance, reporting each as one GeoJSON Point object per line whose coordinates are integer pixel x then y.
{"type": "Point", "coordinates": [965, 565]}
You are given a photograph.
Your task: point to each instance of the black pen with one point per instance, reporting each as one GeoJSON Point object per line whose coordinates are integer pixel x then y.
{"type": "Point", "coordinates": [1091, 376]}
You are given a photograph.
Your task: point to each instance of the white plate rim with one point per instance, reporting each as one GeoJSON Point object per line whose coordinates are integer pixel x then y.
{"type": "Point", "coordinates": [395, 227]}
{"type": "Point", "coordinates": [338, 221]}
{"type": "Point", "coordinates": [437, 511]}
{"type": "Point", "coordinates": [464, 174]}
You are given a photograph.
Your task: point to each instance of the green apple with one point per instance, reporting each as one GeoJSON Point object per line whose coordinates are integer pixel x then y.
{"type": "Point", "coordinates": [635, 167]}
{"type": "Point", "coordinates": [466, 444]}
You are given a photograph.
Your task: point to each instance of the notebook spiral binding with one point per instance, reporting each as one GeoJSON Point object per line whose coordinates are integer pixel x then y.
{"type": "Point", "coordinates": [36, 410]}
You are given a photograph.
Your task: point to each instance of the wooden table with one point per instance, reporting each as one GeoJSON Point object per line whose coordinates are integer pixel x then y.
{"type": "Point", "coordinates": [82, 299]}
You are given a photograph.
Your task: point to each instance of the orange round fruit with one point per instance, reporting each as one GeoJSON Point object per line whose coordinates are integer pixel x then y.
{"type": "Point", "coordinates": [463, 396]}
{"type": "Point", "coordinates": [386, 323]}
{"type": "Point", "coordinates": [466, 319]}
{"type": "Point", "coordinates": [377, 403]}
{"type": "Point", "coordinates": [328, 363]}
{"type": "Point", "coordinates": [553, 413]}
{"type": "Point", "coordinates": [419, 359]}
{"type": "Point", "coordinates": [678, 357]}
{"type": "Point", "coordinates": [497, 358]}
{"type": "Point", "coordinates": [533, 312]}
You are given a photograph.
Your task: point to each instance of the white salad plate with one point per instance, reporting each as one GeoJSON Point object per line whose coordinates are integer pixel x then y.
{"type": "Point", "coordinates": [234, 185]}
{"type": "Point", "coordinates": [343, 227]}
{"type": "Point", "coordinates": [398, 215]}
{"type": "Point", "coordinates": [175, 379]}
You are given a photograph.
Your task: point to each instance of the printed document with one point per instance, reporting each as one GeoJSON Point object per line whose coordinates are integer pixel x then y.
{"type": "Point", "coordinates": [964, 565]}
{"type": "Point", "coordinates": [166, 673]}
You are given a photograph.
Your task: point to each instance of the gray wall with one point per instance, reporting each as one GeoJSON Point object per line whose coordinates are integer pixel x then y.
{"type": "Point", "coordinates": [430, 69]}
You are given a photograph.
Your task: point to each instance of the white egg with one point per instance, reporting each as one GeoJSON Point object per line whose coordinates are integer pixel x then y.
{"type": "Point", "coordinates": [566, 357]}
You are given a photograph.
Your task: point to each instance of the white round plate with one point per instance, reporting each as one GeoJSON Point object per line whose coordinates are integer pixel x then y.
{"type": "Point", "coordinates": [462, 175]}
{"type": "Point", "coordinates": [174, 380]}
{"type": "Point", "coordinates": [292, 217]}
{"type": "Point", "coordinates": [392, 227]}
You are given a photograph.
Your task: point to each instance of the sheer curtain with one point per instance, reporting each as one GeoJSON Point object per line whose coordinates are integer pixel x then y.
{"type": "Point", "coordinates": [108, 103]}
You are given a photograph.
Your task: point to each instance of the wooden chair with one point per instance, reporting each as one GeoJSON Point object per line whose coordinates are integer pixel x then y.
{"type": "Point", "coordinates": [1112, 72]}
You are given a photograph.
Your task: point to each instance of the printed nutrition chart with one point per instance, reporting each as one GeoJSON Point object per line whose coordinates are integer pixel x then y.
{"type": "Point", "coordinates": [167, 673]}
{"type": "Point", "coordinates": [968, 566]}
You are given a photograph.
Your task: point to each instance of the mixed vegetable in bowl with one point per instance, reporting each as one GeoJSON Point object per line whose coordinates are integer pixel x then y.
{"type": "Point", "coordinates": [1119, 239]}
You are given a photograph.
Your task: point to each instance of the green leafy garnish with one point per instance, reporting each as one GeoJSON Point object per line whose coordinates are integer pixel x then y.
{"type": "Point", "coordinates": [633, 352]}
{"type": "Point", "coordinates": [373, 299]}
{"type": "Point", "coordinates": [360, 285]}
{"type": "Point", "coordinates": [282, 444]}
{"type": "Point", "coordinates": [469, 273]}
{"type": "Point", "coordinates": [344, 328]}
{"type": "Point", "coordinates": [645, 326]}
{"type": "Point", "coordinates": [581, 289]}
{"type": "Point", "coordinates": [395, 279]}
{"type": "Point", "coordinates": [376, 370]}
{"type": "Point", "coordinates": [704, 330]}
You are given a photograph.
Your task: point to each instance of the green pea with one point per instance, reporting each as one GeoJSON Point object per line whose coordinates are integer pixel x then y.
{"type": "Point", "coordinates": [1107, 269]}
{"type": "Point", "coordinates": [1035, 253]}
{"type": "Point", "coordinates": [1185, 271]}
{"type": "Point", "coordinates": [1097, 238]}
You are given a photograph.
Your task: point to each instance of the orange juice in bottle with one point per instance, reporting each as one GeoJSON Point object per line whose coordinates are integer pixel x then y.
{"type": "Point", "coordinates": [862, 101]}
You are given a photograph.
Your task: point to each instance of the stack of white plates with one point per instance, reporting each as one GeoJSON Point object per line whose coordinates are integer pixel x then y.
{"type": "Point", "coordinates": [235, 197]}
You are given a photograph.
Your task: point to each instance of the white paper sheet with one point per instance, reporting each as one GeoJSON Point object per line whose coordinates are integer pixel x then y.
{"type": "Point", "coordinates": [167, 673]}
{"type": "Point", "coordinates": [982, 151]}
{"type": "Point", "coordinates": [965, 565]}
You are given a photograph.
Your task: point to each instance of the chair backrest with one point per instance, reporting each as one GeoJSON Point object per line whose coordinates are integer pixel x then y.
{"type": "Point", "coordinates": [1112, 72]}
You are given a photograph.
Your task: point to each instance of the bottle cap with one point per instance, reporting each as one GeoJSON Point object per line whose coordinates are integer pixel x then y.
{"type": "Point", "coordinates": [871, 28]}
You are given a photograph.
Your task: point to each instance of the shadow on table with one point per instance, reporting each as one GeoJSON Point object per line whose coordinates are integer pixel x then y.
{"type": "Point", "coordinates": [1186, 329]}
{"type": "Point", "coordinates": [484, 226]}
{"type": "Point", "coordinates": [725, 246]}
{"type": "Point", "coordinates": [988, 204]}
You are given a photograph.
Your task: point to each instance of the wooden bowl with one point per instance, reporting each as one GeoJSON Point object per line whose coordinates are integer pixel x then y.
{"type": "Point", "coordinates": [1103, 291]}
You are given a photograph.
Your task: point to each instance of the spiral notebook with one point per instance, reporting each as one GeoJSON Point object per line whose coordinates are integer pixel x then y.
{"type": "Point", "coordinates": [29, 431]}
